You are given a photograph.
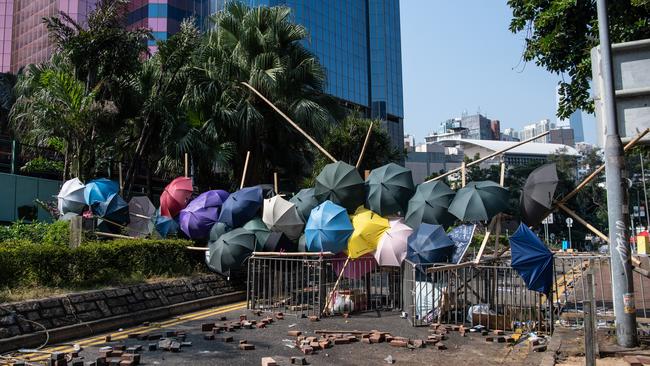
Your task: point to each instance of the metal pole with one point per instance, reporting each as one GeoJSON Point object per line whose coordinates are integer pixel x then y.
{"type": "Point", "coordinates": [570, 243]}
{"type": "Point", "coordinates": [617, 206]}
{"type": "Point", "coordinates": [645, 193]}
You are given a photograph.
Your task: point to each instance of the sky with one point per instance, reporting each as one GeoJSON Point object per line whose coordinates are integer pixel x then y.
{"type": "Point", "coordinates": [459, 56]}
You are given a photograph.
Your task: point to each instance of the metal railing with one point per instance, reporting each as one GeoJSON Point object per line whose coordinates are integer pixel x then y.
{"type": "Point", "coordinates": [301, 286]}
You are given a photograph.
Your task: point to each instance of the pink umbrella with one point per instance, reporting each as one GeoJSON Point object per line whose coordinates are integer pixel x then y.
{"type": "Point", "coordinates": [356, 268]}
{"type": "Point", "coordinates": [391, 250]}
{"type": "Point", "coordinates": [175, 197]}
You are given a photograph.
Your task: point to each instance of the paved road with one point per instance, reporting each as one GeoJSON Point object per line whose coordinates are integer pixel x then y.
{"type": "Point", "coordinates": [269, 342]}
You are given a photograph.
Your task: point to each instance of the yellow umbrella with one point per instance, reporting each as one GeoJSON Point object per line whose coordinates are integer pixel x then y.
{"type": "Point", "coordinates": [368, 229]}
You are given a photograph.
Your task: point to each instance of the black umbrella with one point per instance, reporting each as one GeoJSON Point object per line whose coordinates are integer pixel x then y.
{"type": "Point", "coordinates": [537, 195]}
{"type": "Point", "coordinates": [479, 201]}
{"type": "Point", "coordinates": [279, 242]}
{"type": "Point", "coordinates": [340, 183]}
{"type": "Point", "coordinates": [230, 251]}
{"type": "Point", "coordinates": [305, 202]}
{"type": "Point", "coordinates": [429, 205]}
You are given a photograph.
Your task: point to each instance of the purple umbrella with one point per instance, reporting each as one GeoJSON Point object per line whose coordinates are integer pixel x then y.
{"type": "Point", "coordinates": [201, 213]}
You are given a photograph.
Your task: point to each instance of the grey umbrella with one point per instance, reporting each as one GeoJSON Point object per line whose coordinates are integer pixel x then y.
{"type": "Point", "coordinates": [537, 195]}
{"type": "Point", "coordinates": [229, 252]}
{"type": "Point", "coordinates": [258, 227]}
{"type": "Point", "coordinates": [479, 201]}
{"type": "Point", "coordinates": [305, 202]}
{"type": "Point", "coordinates": [142, 214]}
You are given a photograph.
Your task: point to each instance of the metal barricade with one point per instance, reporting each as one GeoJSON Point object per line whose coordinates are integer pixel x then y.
{"type": "Point", "coordinates": [301, 285]}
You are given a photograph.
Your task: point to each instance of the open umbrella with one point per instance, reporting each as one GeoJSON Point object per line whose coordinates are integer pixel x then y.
{"type": "Point", "coordinates": [429, 205]}
{"type": "Point", "coordinates": [340, 183]}
{"type": "Point", "coordinates": [368, 229]}
{"type": "Point", "coordinates": [279, 242]}
{"type": "Point", "coordinates": [258, 227]}
{"type": "Point", "coordinates": [241, 206]}
{"type": "Point", "coordinates": [98, 190]}
{"type": "Point", "coordinates": [356, 268]}
{"type": "Point", "coordinates": [198, 217]}
{"type": "Point", "coordinates": [305, 202]}
{"type": "Point", "coordinates": [328, 228]}
{"type": "Point", "coordinates": [175, 196]}
{"type": "Point", "coordinates": [532, 260]}
{"type": "Point", "coordinates": [142, 215]}
{"type": "Point", "coordinates": [389, 189]}
{"type": "Point", "coordinates": [281, 215]}
{"type": "Point", "coordinates": [230, 250]}
{"type": "Point", "coordinates": [217, 230]}
{"type": "Point", "coordinates": [165, 225]}
{"type": "Point", "coordinates": [71, 197]}
{"type": "Point", "coordinates": [537, 194]}
{"type": "Point", "coordinates": [429, 244]}
{"type": "Point", "coordinates": [479, 201]}
{"type": "Point", "coordinates": [391, 250]}
{"type": "Point", "coordinates": [302, 244]}
{"type": "Point", "coordinates": [113, 213]}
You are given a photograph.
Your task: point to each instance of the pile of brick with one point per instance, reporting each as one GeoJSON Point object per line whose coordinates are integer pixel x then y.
{"type": "Point", "coordinates": [117, 354]}
{"type": "Point", "coordinates": [219, 331]}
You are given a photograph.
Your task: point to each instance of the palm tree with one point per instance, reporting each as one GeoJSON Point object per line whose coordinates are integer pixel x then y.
{"type": "Point", "coordinates": [7, 97]}
{"type": "Point", "coordinates": [262, 47]}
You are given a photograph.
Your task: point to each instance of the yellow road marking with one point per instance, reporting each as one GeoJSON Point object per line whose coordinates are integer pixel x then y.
{"type": "Point", "coordinates": [143, 329]}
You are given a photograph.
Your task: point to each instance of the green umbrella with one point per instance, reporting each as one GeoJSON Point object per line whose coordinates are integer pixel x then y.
{"type": "Point", "coordinates": [230, 251]}
{"type": "Point", "coordinates": [217, 230]}
{"type": "Point", "coordinates": [305, 202]}
{"type": "Point", "coordinates": [389, 189]}
{"type": "Point", "coordinates": [340, 183]}
{"type": "Point", "coordinates": [479, 201]}
{"type": "Point", "coordinates": [429, 205]}
{"type": "Point", "coordinates": [258, 227]}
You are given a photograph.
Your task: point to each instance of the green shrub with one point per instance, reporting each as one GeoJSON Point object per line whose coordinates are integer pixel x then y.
{"type": "Point", "coordinates": [102, 262]}
{"type": "Point", "coordinates": [42, 165]}
{"type": "Point", "coordinates": [56, 233]}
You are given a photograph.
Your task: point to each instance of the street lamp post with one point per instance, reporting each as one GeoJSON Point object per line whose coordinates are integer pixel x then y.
{"type": "Point", "coordinates": [617, 203]}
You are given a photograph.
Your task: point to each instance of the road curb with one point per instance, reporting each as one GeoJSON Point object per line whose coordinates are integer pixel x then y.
{"type": "Point", "coordinates": [86, 329]}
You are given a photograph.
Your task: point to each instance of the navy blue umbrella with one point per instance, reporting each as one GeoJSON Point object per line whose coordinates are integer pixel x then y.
{"type": "Point", "coordinates": [532, 260]}
{"type": "Point", "coordinates": [241, 206]}
{"type": "Point", "coordinates": [429, 244]}
{"type": "Point", "coordinates": [113, 213]}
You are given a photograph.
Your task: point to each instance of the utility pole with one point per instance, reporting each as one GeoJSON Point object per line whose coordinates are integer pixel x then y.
{"type": "Point", "coordinates": [617, 204]}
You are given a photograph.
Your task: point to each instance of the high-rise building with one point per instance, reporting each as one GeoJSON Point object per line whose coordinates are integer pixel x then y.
{"type": "Point", "coordinates": [357, 41]}
{"type": "Point", "coordinates": [24, 38]}
{"type": "Point", "coordinates": [562, 135]}
{"type": "Point", "coordinates": [574, 121]}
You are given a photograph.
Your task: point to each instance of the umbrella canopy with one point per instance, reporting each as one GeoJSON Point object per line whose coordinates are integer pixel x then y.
{"type": "Point", "coordinates": [302, 244]}
{"type": "Point", "coordinates": [282, 215]}
{"type": "Point", "coordinates": [201, 214]}
{"type": "Point", "coordinates": [368, 229]}
{"type": "Point", "coordinates": [241, 206]}
{"type": "Point", "coordinates": [113, 213]}
{"type": "Point", "coordinates": [356, 268]}
{"type": "Point", "coordinates": [340, 183]}
{"type": "Point", "coordinates": [230, 251]}
{"type": "Point", "coordinates": [175, 196]}
{"type": "Point", "coordinates": [71, 197]}
{"type": "Point", "coordinates": [217, 230]}
{"type": "Point", "coordinates": [532, 260]}
{"type": "Point", "coordinates": [68, 216]}
{"type": "Point", "coordinates": [429, 244]}
{"type": "Point", "coordinates": [279, 242]}
{"type": "Point", "coordinates": [328, 229]}
{"type": "Point", "coordinates": [258, 227]}
{"type": "Point", "coordinates": [305, 202]}
{"type": "Point", "coordinates": [429, 205]}
{"type": "Point", "coordinates": [98, 190]}
{"type": "Point", "coordinates": [165, 225]}
{"type": "Point", "coordinates": [537, 194]}
{"type": "Point", "coordinates": [391, 250]}
{"type": "Point", "coordinates": [479, 201]}
{"type": "Point", "coordinates": [389, 189]}
{"type": "Point", "coordinates": [142, 216]}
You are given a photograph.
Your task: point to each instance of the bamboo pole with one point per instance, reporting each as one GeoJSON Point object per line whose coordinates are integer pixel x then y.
{"type": "Point", "coordinates": [114, 236]}
{"type": "Point", "coordinates": [489, 156]}
{"type": "Point", "coordinates": [502, 181]}
{"type": "Point", "coordinates": [336, 285]}
{"type": "Point", "coordinates": [203, 249]}
{"type": "Point", "coordinates": [485, 241]}
{"type": "Point", "coordinates": [243, 176]}
{"type": "Point", "coordinates": [289, 254]}
{"type": "Point", "coordinates": [463, 174]}
{"type": "Point", "coordinates": [187, 166]}
{"type": "Point", "coordinates": [275, 182]}
{"type": "Point", "coordinates": [582, 221]}
{"type": "Point", "coordinates": [291, 122]}
{"type": "Point", "coordinates": [365, 144]}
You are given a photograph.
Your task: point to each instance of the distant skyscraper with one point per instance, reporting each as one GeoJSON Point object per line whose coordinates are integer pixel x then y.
{"type": "Point", "coordinates": [357, 41]}
{"type": "Point", "coordinates": [574, 121]}
{"type": "Point", "coordinates": [23, 38]}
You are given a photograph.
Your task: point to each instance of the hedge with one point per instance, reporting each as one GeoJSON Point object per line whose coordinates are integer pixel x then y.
{"type": "Point", "coordinates": [23, 263]}
{"type": "Point", "coordinates": [56, 233]}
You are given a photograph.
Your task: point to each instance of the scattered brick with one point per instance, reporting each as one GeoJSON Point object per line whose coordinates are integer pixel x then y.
{"type": "Point", "coordinates": [298, 361]}
{"type": "Point", "coordinates": [133, 335]}
{"type": "Point", "coordinates": [152, 347]}
{"type": "Point", "coordinates": [324, 344]}
{"type": "Point", "coordinates": [432, 342]}
{"type": "Point", "coordinates": [127, 363]}
{"type": "Point", "coordinates": [346, 315]}
{"type": "Point", "coordinates": [246, 347]}
{"type": "Point", "coordinates": [155, 336]}
{"type": "Point", "coordinates": [440, 346]}
{"type": "Point", "coordinates": [279, 316]}
{"type": "Point", "coordinates": [418, 343]}
{"type": "Point", "coordinates": [175, 347]}
{"type": "Point", "coordinates": [489, 339]}
{"type": "Point", "coordinates": [294, 333]}
{"type": "Point", "coordinates": [119, 347]}
{"type": "Point", "coordinates": [313, 318]}
{"type": "Point", "coordinates": [498, 332]}
{"type": "Point", "coordinates": [314, 344]}
{"type": "Point", "coordinates": [224, 339]}
{"type": "Point", "coordinates": [398, 343]}
{"type": "Point", "coordinates": [260, 325]}
{"type": "Point", "coordinates": [170, 333]}
{"type": "Point", "coordinates": [223, 318]}
{"type": "Point", "coordinates": [107, 338]}
{"type": "Point", "coordinates": [307, 350]}
{"type": "Point", "coordinates": [501, 339]}
{"type": "Point", "coordinates": [268, 361]}
{"type": "Point", "coordinates": [242, 317]}
{"type": "Point", "coordinates": [341, 341]}
{"type": "Point", "coordinates": [75, 362]}
{"type": "Point", "coordinates": [207, 327]}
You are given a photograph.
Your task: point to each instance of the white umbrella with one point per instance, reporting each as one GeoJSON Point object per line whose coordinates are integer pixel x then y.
{"type": "Point", "coordinates": [71, 197]}
{"type": "Point", "coordinates": [281, 215]}
{"type": "Point", "coordinates": [141, 214]}
{"type": "Point", "coordinates": [391, 250]}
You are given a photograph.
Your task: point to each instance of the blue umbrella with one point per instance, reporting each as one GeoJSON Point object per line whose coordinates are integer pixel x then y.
{"type": "Point", "coordinates": [429, 244]}
{"type": "Point", "coordinates": [166, 225]}
{"type": "Point", "coordinates": [241, 206]}
{"type": "Point", "coordinates": [113, 213]}
{"type": "Point", "coordinates": [328, 228]}
{"type": "Point", "coordinates": [532, 260]}
{"type": "Point", "coordinates": [98, 190]}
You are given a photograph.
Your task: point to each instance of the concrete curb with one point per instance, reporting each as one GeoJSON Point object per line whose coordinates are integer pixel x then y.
{"type": "Point", "coordinates": [112, 323]}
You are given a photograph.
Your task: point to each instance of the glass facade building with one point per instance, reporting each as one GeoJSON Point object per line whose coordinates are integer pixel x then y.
{"type": "Point", "coordinates": [357, 41]}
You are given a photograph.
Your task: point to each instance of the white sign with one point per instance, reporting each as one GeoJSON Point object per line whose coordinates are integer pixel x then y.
{"type": "Point", "coordinates": [569, 222]}
{"type": "Point", "coordinates": [548, 220]}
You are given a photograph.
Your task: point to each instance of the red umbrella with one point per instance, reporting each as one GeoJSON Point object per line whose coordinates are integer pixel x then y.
{"type": "Point", "coordinates": [175, 197]}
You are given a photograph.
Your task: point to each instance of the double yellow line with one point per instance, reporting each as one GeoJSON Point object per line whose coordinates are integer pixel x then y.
{"type": "Point", "coordinates": [88, 342]}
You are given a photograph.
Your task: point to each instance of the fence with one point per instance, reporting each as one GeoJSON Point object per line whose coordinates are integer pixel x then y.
{"type": "Point", "coordinates": [297, 285]}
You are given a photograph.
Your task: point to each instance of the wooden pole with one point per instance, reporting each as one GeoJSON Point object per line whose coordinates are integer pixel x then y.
{"type": "Point", "coordinates": [275, 182]}
{"type": "Point", "coordinates": [502, 181]}
{"type": "Point", "coordinates": [485, 241]}
{"type": "Point", "coordinates": [336, 285]}
{"type": "Point", "coordinates": [365, 144]}
{"type": "Point", "coordinates": [489, 156]}
{"type": "Point", "coordinates": [290, 254]}
{"type": "Point", "coordinates": [583, 222]}
{"type": "Point", "coordinates": [463, 174]}
{"type": "Point", "coordinates": [291, 122]}
{"type": "Point", "coordinates": [243, 176]}
{"type": "Point", "coordinates": [187, 166]}
{"type": "Point", "coordinates": [115, 236]}
{"type": "Point", "coordinates": [119, 171]}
